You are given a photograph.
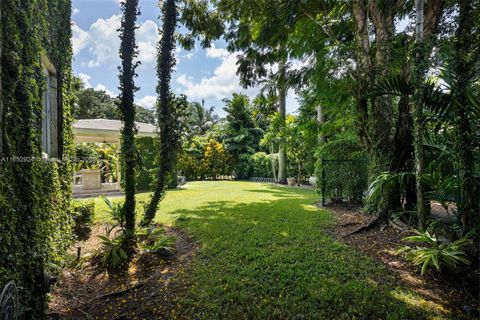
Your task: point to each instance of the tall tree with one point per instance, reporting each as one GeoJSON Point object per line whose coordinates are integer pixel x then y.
{"type": "Point", "coordinates": [282, 152]}
{"type": "Point", "coordinates": [168, 144]}
{"type": "Point", "coordinates": [128, 52]}
{"type": "Point", "coordinates": [202, 119]}
{"type": "Point", "coordinates": [256, 30]}
{"type": "Point", "coordinates": [241, 137]}
{"type": "Point", "coordinates": [418, 78]}
{"type": "Point", "coordinates": [97, 104]}
{"type": "Point", "coordinates": [465, 65]}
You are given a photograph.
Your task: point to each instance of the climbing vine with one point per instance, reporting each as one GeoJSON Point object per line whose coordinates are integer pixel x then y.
{"type": "Point", "coordinates": [128, 52]}
{"type": "Point", "coordinates": [35, 194]}
{"type": "Point", "coordinates": [169, 140]}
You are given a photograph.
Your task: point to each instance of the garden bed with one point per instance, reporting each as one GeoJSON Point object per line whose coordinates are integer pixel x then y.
{"type": "Point", "coordinates": [89, 292]}
{"type": "Point", "coordinates": [455, 295]}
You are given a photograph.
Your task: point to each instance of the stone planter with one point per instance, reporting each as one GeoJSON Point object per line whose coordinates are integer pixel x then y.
{"type": "Point", "coordinates": [291, 181]}
{"type": "Point", "coordinates": [91, 179]}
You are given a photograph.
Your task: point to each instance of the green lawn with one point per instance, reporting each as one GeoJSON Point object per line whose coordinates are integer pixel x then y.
{"type": "Point", "coordinates": [265, 254]}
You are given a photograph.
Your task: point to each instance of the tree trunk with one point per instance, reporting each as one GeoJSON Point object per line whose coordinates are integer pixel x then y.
{"type": "Point", "coordinates": [463, 59]}
{"type": "Point", "coordinates": [321, 120]}
{"type": "Point", "coordinates": [167, 144]}
{"type": "Point", "coordinates": [272, 161]}
{"type": "Point", "coordinates": [404, 150]}
{"type": "Point", "coordinates": [282, 152]}
{"type": "Point", "coordinates": [363, 72]}
{"type": "Point", "coordinates": [418, 77]}
{"type": "Point", "coordinates": [127, 110]}
{"type": "Point", "coordinates": [299, 167]}
{"type": "Point", "coordinates": [374, 123]}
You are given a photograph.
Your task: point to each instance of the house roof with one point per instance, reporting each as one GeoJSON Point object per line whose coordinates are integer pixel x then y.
{"type": "Point", "coordinates": [106, 130]}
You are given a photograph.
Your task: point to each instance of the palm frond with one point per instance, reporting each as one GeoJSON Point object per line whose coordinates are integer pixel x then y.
{"type": "Point", "coordinates": [395, 85]}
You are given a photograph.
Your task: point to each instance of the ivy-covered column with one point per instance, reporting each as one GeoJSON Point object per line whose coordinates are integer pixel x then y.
{"type": "Point", "coordinates": [128, 52]}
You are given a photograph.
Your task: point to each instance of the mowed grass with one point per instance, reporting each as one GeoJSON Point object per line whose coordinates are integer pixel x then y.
{"type": "Point", "coordinates": [265, 254]}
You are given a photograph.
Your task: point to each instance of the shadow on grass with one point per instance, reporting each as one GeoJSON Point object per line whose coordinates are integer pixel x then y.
{"type": "Point", "coordinates": [272, 259]}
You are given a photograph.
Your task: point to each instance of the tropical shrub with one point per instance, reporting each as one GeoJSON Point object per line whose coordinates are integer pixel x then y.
{"type": "Point", "coordinates": [117, 213]}
{"type": "Point", "coordinates": [149, 239]}
{"type": "Point", "coordinates": [190, 159]}
{"type": "Point", "coordinates": [113, 253]}
{"type": "Point", "coordinates": [83, 212]}
{"type": "Point", "coordinates": [153, 239]}
{"type": "Point", "coordinates": [243, 168]}
{"type": "Point", "coordinates": [215, 160]}
{"type": "Point", "coordinates": [436, 253]}
{"type": "Point", "coordinates": [108, 162]}
{"type": "Point", "coordinates": [188, 166]}
{"type": "Point", "coordinates": [202, 159]}
{"type": "Point", "coordinates": [86, 156]}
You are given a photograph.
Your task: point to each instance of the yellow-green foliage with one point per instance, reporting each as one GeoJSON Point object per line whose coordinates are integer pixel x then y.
{"type": "Point", "coordinates": [205, 160]}
{"type": "Point", "coordinates": [35, 195]}
{"type": "Point", "coordinates": [215, 160]}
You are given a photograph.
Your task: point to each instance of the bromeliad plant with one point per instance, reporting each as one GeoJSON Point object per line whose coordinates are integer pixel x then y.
{"type": "Point", "coordinates": [435, 253]}
{"type": "Point", "coordinates": [153, 240]}
{"type": "Point", "coordinates": [113, 252]}
{"type": "Point", "coordinates": [113, 249]}
{"type": "Point", "coordinates": [150, 239]}
{"type": "Point", "coordinates": [117, 212]}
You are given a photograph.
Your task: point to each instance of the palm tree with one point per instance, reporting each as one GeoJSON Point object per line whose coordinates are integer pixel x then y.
{"type": "Point", "coordinates": [202, 119]}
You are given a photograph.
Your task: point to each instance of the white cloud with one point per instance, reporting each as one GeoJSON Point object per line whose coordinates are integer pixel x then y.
{"type": "Point", "coordinates": [214, 52]}
{"type": "Point", "coordinates": [147, 37]}
{"type": "Point", "coordinates": [79, 39]}
{"type": "Point", "coordinates": [222, 84]}
{"type": "Point", "coordinates": [85, 79]}
{"type": "Point", "coordinates": [147, 102]}
{"type": "Point", "coordinates": [103, 42]}
{"type": "Point", "coordinates": [101, 87]}
{"type": "Point", "coordinates": [75, 11]}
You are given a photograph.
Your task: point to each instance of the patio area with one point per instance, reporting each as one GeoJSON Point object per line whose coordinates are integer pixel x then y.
{"type": "Point", "coordinates": [88, 182]}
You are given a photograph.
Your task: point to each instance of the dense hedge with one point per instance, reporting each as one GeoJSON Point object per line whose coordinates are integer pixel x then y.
{"type": "Point", "coordinates": [262, 164]}
{"type": "Point", "coordinates": [35, 194]}
{"type": "Point", "coordinates": [146, 170]}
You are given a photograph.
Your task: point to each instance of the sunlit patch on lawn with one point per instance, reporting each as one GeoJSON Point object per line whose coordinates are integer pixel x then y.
{"type": "Point", "coordinates": [416, 301]}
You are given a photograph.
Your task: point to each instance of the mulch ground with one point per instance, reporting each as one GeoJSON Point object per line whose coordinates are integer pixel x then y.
{"type": "Point", "coordinates": [458, 294]}
{"type": "Point", "coordinates": [144, 292]}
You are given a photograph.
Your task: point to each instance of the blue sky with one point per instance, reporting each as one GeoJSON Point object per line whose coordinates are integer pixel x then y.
{"type": "Point", "coordinates": [200, 74]}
